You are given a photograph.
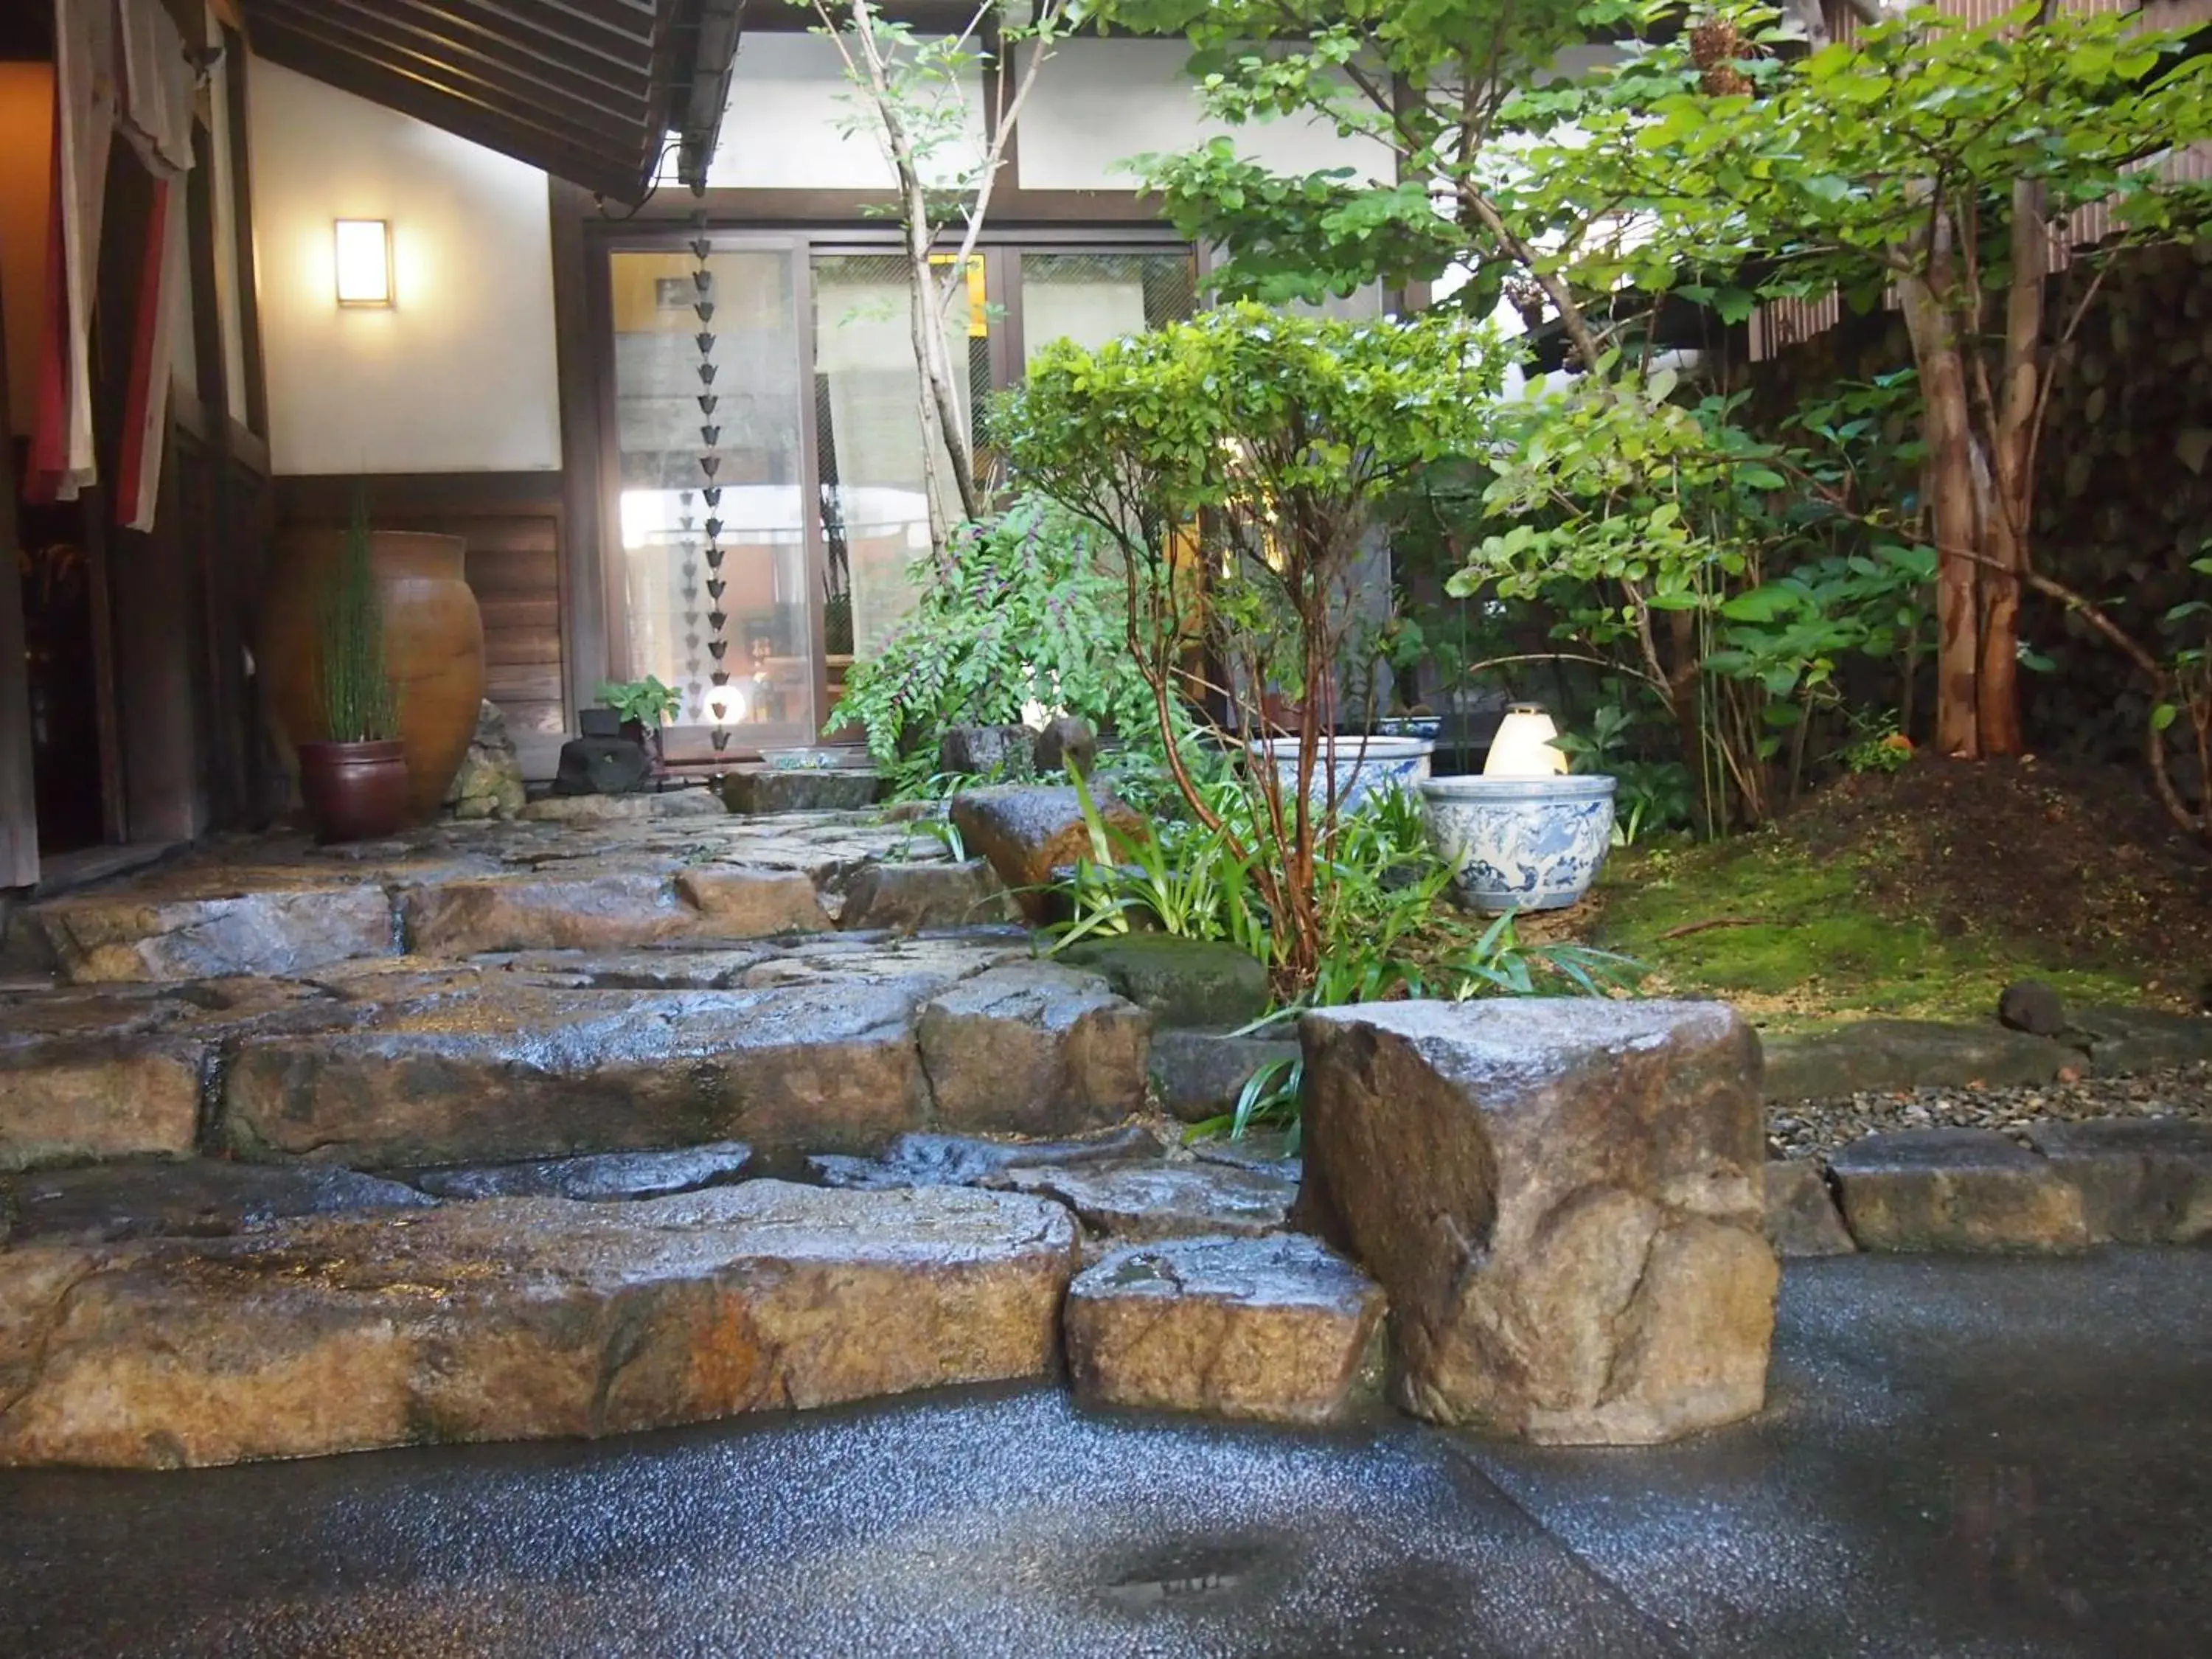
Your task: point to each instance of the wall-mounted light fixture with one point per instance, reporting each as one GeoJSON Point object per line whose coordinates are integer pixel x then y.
{"type": "Point", "coordinates": [364, 262]}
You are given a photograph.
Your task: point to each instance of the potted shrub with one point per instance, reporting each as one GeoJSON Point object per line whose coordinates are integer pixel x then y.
{"type": "Point", "coordinates": [643, 707]}
{"type": "Point", "coordinates": [354, 779]}
{"type": "Point", "coordinates": [1526, 834]}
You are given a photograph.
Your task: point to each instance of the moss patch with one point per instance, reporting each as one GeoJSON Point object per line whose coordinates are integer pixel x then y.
{"type": "Point", "coordinates": [1799, 938]}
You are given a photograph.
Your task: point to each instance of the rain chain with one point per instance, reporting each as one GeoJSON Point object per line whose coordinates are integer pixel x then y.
{"type": "Point", "coordinates": [721, 703]}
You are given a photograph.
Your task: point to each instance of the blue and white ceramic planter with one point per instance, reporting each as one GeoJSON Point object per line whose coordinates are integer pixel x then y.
{"type": "Point", "coordinates": [1520, 843]}
{"type": "Point", "coordinates": [1363, 766]}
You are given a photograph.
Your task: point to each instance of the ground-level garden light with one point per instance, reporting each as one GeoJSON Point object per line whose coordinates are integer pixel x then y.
{"type": "Point", "coordinates": [1524, 835]}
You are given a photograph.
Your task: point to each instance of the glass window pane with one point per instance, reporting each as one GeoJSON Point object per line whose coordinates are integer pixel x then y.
{"type": "Point", "coordinates": [751, 431]}
{"type": "Point", "coordinates": [875, 516]}
{"type": "Point", "coordinates": [1092, 297]}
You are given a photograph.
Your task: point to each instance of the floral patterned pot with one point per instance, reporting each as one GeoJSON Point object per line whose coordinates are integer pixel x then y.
{"type": "Point", "coordinates": [1363, 765]}
{"type": "Point", "coordinates": [1520, 843]}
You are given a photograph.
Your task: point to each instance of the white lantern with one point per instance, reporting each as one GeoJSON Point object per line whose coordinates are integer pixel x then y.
{"type": "Point", "coordinates": [1523, 747]}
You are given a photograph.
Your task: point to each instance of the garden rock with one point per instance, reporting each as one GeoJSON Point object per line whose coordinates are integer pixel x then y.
{"type": "Point", "coordinates": [733, 902]}
{"type": "Point", "coordinates": [488, 783]}
{"type": "Point", "coordinates": [1874, 1055]}
{"type": "Point", "coordinates": [1136, 1202]}
{"type": "Point", "coordinates": [520, 1072]}
{"type": "Point", "coordinates": [518, 1319]}
{"type": "Point", "coordinates": [755, 790]}
{"type": "Point", "coordinates": [187, 1198]}
{"type": "Point", "coordinates": [1274, 1329]}
{"type": "Point", "coordinates": [1956, 1189]}
{"type": "Point", "coordinates": [2142, 1181]}
{"type": "Point", "coordinates": [939, 1160]}
{"type": "Point", "coordinates": [986, 751]}
{"type": "Point", "coordinates": [2123, 1040]}
{"type": "Point", "coordinates": [1562, 1200]}
{"type": "Point", "coordinates": [1028, 830]}
{"type": "Point", "coordinates": [1801, 1211]}
{"type": "Point", "coordinates": [1183, 981]}
{"type": "Point", "coordinates": [595, 1178]}
{"type": "Point", "coordinates": [905, 898]}
{"type": "Point", "coordinates": [1199, 1074]}
{"type": "Point", "coordinates": [2032, 1006]}
{"type": "Point", "coordinates": [1067, 744]}
{"type": "Point", "coordinates": [1033, 1049]}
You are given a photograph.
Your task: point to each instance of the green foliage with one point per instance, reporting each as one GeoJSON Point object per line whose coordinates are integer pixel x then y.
{"type": "Point", "coordinates": [1022, 611]}
{"type": "Point", "coordinates": [356, 693]}
{"type": "Point", "coordinates": [1236, 463]}
{"type": "Point", "coordinates": [646, 702]}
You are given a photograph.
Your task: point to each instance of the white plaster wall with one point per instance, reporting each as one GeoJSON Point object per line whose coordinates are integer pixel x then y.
{"type": "Point", "coordinates": [784, 128]}
{"type": "Point", "coordinates": [1097, 103]}
{"type": "Point", "coordinates": [459, 375]}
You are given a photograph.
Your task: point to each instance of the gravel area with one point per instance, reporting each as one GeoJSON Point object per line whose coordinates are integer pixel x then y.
{"type": "Point", "coordinates": [1805, 1129]}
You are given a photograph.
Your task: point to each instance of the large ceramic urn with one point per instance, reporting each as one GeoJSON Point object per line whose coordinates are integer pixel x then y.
{"type": "Point", "coordinates": [432, 646]}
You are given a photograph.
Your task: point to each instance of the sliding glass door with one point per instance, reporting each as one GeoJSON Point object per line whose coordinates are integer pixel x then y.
{"type": "Point", "coordinates": [715, 570]}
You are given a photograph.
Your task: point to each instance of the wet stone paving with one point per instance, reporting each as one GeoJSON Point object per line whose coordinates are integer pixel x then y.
{"type": "Point", "coordinates": [827, 1255]}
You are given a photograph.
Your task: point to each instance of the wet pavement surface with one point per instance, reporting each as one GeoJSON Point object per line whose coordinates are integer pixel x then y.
{"type": "Point", "coordinates": [1962, 1458]}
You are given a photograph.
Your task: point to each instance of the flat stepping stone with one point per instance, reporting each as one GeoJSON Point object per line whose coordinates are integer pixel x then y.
{"type": "Point", "coordinates": [69, 1099]}
{"type": "Point", "coordinates": [936, 963]}
{"type": "Point", "coordinates": [517, 1319]}
{"type": "Point", "coordinates": [699, 969]}
{"type": "Point", "coordinates": [2142, 1181]}
{"type": "Point", "coordinates": [771, 789]}
{"type": "Point", "coordinates": [1265, 1151]}
{"type": "Point", "coordinates": [191, 1198]}
{"type": "Point", "coordinates": [189, 925]}
{"type": "Point", "coordinates": [1276, 1329]}
{"type": "Point", "coordinates": [1880, 1055]}
{"type": "Point", "coordinates": [605, 911]}
{"type": "Point", "coordinates": [907, 897]}
{"type": "Point", "coordinates": [515, 1071]}
{"type": "Point", "coordinates": [598, 1177]}
{"type": "Point", "coordinates": [1802, 1219]}
{"type": "Point", "coordinates": [2127, 1040]}
{"type": "Point", "coordinates": [1136, 1202]}
{"type": "Point", "coordinates": [938, 1160]}
{"type": "Point", "coordinates": [642, 805]}
{"type": "Point", "coordinates": [1956, 1189]}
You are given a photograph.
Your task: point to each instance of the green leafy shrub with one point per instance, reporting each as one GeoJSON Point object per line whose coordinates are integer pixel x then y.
{"type": "Point", "coordinates": [1021, 612]}
{"type": "Point", "coordinates": [646, 702]}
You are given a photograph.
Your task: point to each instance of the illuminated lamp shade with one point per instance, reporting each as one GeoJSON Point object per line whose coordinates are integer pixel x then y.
{"type": "Point", "coordinates": [364, 262]}
{"type": "Point", "coordinates": [1523, 747]}
{"type": "Point", "coordinates": [725, 704]}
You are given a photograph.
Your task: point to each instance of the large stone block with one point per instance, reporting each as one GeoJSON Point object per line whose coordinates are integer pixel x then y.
{"type": "Point", "coordinates": [2142, 1181]}
{"type": "Point", "coordinates": [1562, 1199]}
{"type": "Point", "coordinates": [1273, 1328]}
{"type": "Point", "coordinates": [518, 1319]}
{"type": "Point", "coordinates": [1028, 830]}
{"type": "Point", "coordinates": [1033, 1049]}
{"type": "Point", "coordinates": [519, 1072]}
{"type": "Point", "coordinates": [474, 916]}
{"type": "Point", "coordinates": [1955, 1189]}
{"type": "Point", "coordinates": [2124, 1040]}
{"type": "Point", "coordinates": [154, 934]}
{"type": "Point", "coordinates": [68, 1099]}
{"type": "Point", "coordinates": [730, 902]}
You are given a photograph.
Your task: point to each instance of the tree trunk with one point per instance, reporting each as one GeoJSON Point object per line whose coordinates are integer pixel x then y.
{"type": "Point", "coordinates": [2011, 478]}
{"type": "Point", "coordinates": [1954, 511]}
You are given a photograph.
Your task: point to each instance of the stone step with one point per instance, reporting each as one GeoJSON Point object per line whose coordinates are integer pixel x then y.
{"type": "Point", "coordinates": [614, 885]}
{"type": "Point", "coordinates": [511, 1319]}
{"type": "Point", "coordinates": [1277, 1329]}
{"type": "Point", "coordinates": [838, 1046]}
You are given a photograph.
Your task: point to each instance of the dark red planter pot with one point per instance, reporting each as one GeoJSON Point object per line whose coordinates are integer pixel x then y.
{"type": "Point", "coordinates": [354, 791]}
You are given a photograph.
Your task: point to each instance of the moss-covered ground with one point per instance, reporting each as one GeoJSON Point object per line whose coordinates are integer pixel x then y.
{"type": "Point", "coordinates": [1794, 937]}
